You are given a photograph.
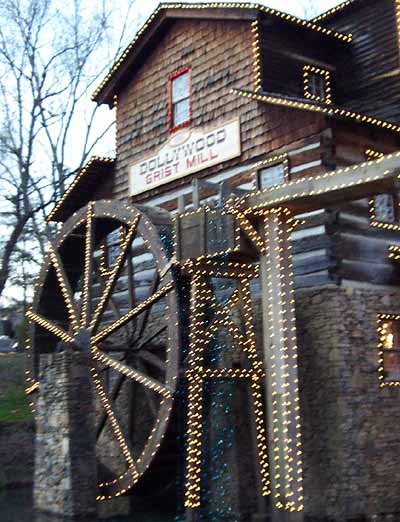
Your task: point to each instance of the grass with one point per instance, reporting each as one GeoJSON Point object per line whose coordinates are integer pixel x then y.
{"type": "Point", "coordinates": [14, 406]}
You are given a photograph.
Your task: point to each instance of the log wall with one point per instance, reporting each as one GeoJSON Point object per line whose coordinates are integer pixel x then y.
{"type": "Point", "coordinates": [371, 65]}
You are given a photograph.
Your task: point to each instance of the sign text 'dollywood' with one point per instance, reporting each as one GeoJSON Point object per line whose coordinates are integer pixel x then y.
{"type": "Point", "coordinates": [186, 152]}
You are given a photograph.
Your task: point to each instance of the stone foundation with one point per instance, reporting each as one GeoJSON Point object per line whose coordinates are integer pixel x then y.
{"type": "Point", "coordinates": [351, 436]}
{"type": "Point", "coordinates": [65, 463]}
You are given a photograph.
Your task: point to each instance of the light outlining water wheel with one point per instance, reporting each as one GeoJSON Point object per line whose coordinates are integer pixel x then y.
{"type": "Point", "coordinates": [118, 305]}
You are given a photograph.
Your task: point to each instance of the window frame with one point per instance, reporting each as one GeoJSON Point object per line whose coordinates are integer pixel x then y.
{"type": "Point", "coordinates": [282, 159]}
{"type": "Point", "coordinates": [171, 78]}
{"type": "Point", "coordinates": [325, 75]}
{"type": "Point", "coordinates": [106, 246]}
{"type": "Point", "coordinates": [382, 319]}
{"type": "Point", "coordinates": [370, 155]}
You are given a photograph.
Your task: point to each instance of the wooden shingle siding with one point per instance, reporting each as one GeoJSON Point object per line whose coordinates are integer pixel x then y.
{"type": "Point", "coordinates": [220, 55]}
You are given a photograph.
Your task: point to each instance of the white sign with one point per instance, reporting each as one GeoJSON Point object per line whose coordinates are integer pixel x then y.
{"type": "Point", "coordinates": [187, 151]}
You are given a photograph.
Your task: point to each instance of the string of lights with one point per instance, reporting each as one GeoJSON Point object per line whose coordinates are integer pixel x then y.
{"type": "Point", "coordinates": [286, 461]}
{"type": "Point", "coordinates": [214, 5]}
{"type": "Point", "coordinates": [386, 340]}
{"type": "Point", "coordinates": [204, 333]}
{"type": "Point", "coordinates": [308, 70]}
{"type": "Point", "coordinates": [314, 107]}
{"type": "Point", "coordinates": [80, 174]}
{"type": "Point", "coordinates": [255, 29]}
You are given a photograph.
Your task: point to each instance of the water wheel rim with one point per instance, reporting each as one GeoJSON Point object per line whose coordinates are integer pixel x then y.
{"type": "Point", "coordinates": [125, 214]}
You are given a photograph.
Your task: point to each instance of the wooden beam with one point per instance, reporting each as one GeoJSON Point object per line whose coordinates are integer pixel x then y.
{"type": "Point", "coordinates": [333, 188]}
{"type": "Point", "coordinates": [281, 381]}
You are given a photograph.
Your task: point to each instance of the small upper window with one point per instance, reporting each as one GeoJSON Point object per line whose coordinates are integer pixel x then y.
{"type": "Point", "coordinates": [317, 84]}
{"type": "Point", "coordinates": [180, 103]}
{"type": "Point", "coordinates": [271, 176]}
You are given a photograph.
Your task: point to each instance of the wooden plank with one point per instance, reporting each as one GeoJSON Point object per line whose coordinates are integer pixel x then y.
{"type": "Point", "coordinates": [374, 273]}
{"type": "Point", "coordinates": [279, 352]}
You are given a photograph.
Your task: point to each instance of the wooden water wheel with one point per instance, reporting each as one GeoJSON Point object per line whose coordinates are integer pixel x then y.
{"type": "Point", "coordinates": [106, 287]}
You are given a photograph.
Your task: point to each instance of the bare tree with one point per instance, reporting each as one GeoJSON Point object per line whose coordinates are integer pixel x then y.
{"type": "Point", "coordinates": [50, 51]}
{"type": "Point", "coordinates": [310, 8]}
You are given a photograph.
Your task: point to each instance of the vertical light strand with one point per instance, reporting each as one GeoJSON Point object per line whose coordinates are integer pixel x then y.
{"type": "Point", "coordinates": [280, 350]}
{"type": "Point", "coordinates": [397, 8]}
{"type": "Point", "coordinates": [255, 29]}
{"type": "Point", "coordinates": [250, 349]}
{"type": "Point", "coordinates": [195, 395]}
{"type": "Point", "coordinates": [88, 267]}
{"type": "Point", "coordinates": [261, 436]}
{"type": "Point", "coordinates": [293, 457]}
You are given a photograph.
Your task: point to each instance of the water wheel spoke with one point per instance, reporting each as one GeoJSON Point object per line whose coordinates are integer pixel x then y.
{"type": "Point", "coordinates": [152, 359]}
{"type": "Point", "coordinates": [88, 267]}
{"type": "Point", "coordinates": [168, 266]}
{"type": "Point", "coordinates": [149, 395]}
{"type": "Point", "coordinates": [151, 338]}
{"type": "Point", "coordinates": [49, 326]}
{"type": "Point", "coordinates": [133, 374]}
{"type": "Point", "coordinates": [114, 348]}
{"type": "Point", "coordinates": [113, 305]}
{"type": "Point", "coordinates": [114, 422]}
{"type": "Point", "coordinates": [116, 387]}
{"type": "Point", "coordinates": [134, 345]}
{"type": "Point", "coordinates": [112, 279]}
{"type": "Point", "coordinates": [144, 306]}
{"type": "Point", "coordinates": [64, 284]}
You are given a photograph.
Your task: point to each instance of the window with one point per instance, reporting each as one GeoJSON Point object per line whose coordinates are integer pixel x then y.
{"type": "Point", "coordinates": [383, 207]}
{"type": "Point", "coordinates": [317, 84]}
{"type": "Point", "coordinates": [272, 175]}
{"type": "Point", "coordinates": [180, 102]}
{"type": "Point", "coordinates": [110, 250]}
{"type": "Point", "coordinates": [389, 329]}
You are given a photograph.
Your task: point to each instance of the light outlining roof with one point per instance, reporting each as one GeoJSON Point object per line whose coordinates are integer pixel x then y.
{"type": "Point", "coordinates": [99, 95]}
{"type": "Point", "coordinates": [333, 11]}
{"type": "Point", "coordinates": [339, 112]}
{"type": "Point", "coordinates": [95, 161]}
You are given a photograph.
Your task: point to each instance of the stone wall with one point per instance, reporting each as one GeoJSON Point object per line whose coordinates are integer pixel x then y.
{"type": "Point", "coordinates": [65, 466]}
{"type": "Point", "coordinates": [350, 425]}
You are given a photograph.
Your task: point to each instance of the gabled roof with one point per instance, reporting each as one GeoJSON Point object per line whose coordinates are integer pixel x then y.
{"type": "Point", "coordinates": [81, 189]}
{"type": "Point", "coordinates": [166, 13]}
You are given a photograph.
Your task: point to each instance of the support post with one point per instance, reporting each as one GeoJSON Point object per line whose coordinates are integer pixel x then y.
{"type": "Point", "coordinates": [280, 357]}
{"type": "Point", "coordinates": [65, 481]}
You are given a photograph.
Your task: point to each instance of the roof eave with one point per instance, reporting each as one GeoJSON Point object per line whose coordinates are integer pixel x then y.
{"type": "Point", "coordinates": [96, 164]}
{"type": "Point", "coordinates": [330, 111]}
{"type": "Point", "coordinates": [109, 88]}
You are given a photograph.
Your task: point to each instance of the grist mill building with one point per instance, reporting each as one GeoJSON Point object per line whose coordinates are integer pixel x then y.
{"type": "Point", "coordinates": [231, 276]}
